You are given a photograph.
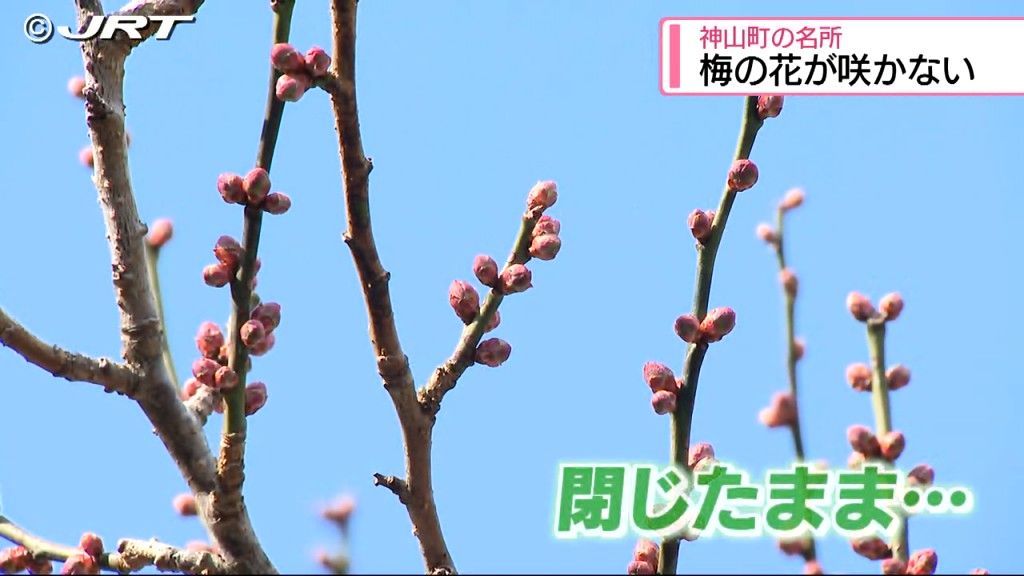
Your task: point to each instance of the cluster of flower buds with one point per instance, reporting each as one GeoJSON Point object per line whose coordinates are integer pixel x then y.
{"type": "Point", "coordinates": [769, 106]}
{"type": "Point", "coordinates": [860, 306]}
{"type": "Point", "coordinates": [920, 562]}
{"type": "Point", "coordinates": [867, 446]}
{"type": "Point", "coordinates": [229, 254]}
{"type": "Point", "coordinates": [645, 558]}
{"type": "Point", "coordinates": [859, 377]}
{"type": "Point", "coordinates": [252, 190]}
{"type": "Point", "coordinates": [715, 326]}
{"type": "Point", "coordinates": [86, 156]}
{"type": "Point", "coordinates": [88, 560]}
{"type": "Point", "coordinates": [664, 387]}
{"type": "Point", "coordinates": [19, 559]}
{"type": "Point", "coordinates": [160, 233]}
{"type": "Point", "coordinates": [780, 412]}
{"type": "Point", "coordinates": [298, 72]}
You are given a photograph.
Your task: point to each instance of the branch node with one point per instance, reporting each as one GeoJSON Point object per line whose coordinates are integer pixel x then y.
{"type": "Point", "coordinates": [396, 485]}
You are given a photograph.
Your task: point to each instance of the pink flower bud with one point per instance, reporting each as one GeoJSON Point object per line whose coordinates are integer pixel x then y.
{"type": "Point", "coordinates": [639, 567]}
{"type": "Point", "coordinates": [863, 440]}
{"type": "Point", "coordinates": [255, 397]}
{"type": "Point", "coordinates": [799, 348]}
{"type": "Point", "coordinates": [855, 461]}
{"type": "Point", "coordinates": [91, 544]}
{"type": "Point", "coordinates": [160, 233]}
{"type": "Point", "coordinates": [700, 225]}
{"type": "Point", "coordinates": [209, 339]}
{"type": "Point", "coordinates": [897, 376]}
{"type": "Point", "coordinates": [184, 504]}
{"type": "Point", "coordinates": [251, 333]}
{"type": "Point", "coordinates": [277, 203]}
{"type": "Point", "coordinates": [663, 402]}
{"type": "Point", "coordinates": [516, 278]}
{"type": "Point", "coordinates": [891, 444]}
{"type": "Point", "coordinates": [486, 270]}
{"type": "Point", "coordinates": [231, 188]}
{"type": "Point", "coordinates": [543, 195]}
{"type": "Point", "coordinates": [780, 412]}
{"type": "Point", "coordinates": [286, 59]}
{"type": "Point", "coordinates": [87, 157]}
{"type": "Point", "coordinates": [80, 564]}
{"type": "Point", "coordinates": [923, 562]}
{"type": "Point", "coordinates": [268, 314]}
{"type": "Point", "coordinates": [14, 560]}
{"type": "Point", "coordinates": [493, 352]}
{"type": "Point", "coordinates": [545, 246]}
{"type": "Point", "coordinates": [894, 566]}
{"type": "Point", "coordinates": [660, 377]}
{"type": "Point", "coordinates": [699, 452]}
{"type": "Point", "coordinates": [891, 305]}
{"type": "Point", "coordinates": [464, 300]}
{"type": "Point", "coordinates": [546, 225]}
{"type": "Point", "coordinates": [873, 548]}
{"type": "Point", "coordinates": [204, 370]}
{"type": "Point", "coordinates": [225, 378]}
{"type": "Point", "coordinates": [812, 567]}
{"type": "Point", "coordinates": [256, 185]}
{"type": "Point", "coordinates": [494, 322]}
{"type": "Point", "coordinates": [340, 511]}
{"type": "Point", "coordinates": [76, 87]}
{"type": "Point", "coordinates": [688, 328]}
{"type": "Point", "coordinates": [921, 475]}
{"type": "Point", "coordinates": [859, 305]}
{"type": "Point", "coordinates": [858, 376]}
{"type": "Point", "coordinates": [718, 323]}
{"type": "Point", "coordinates": [767, 234]}
{"type": "Point", "coordinates": [228, 252]}
{"type": "Point", "coordinates": [263, 346]}
{"type": "Point", "coordinates": [317, 61]}
{"type": "Point", "coordinates": [189, 388]}
{"type": "Point", "coordinates": [742, 175]}
{"type": "Point", "coordinates": [646, 551]}
{"type": "Point", "coordinates": [216, 275]}
{"type": "Point", "coordinates": [789, 281]}
{"type": "Point", "coordinates": [793, 199]}
{"type": "Point", "coordinates": [769, 106]}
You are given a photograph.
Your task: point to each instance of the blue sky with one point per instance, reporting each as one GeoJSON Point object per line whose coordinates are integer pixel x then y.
{"type": "Point", "coordinates": [464, 105]}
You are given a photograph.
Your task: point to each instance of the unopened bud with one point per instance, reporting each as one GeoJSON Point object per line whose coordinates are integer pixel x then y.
{"type": "Point", "coordinates": [543, 195]}
{"type": "Point", "coordinates": [780, 412]}
{"type": "Point", "coordinates": [646, 551]}
{"type": "Point", "coordinates": [894, 566]}
{"type": "Point", "coordinates": [639, 567]}
{"type": "Point", "coordinates": [255, 397]}
{"type": "Point", "coordinates": [256, 185]}
{"type": "Point", "coordinates": [464, 300]}
{"type": "Point", "coordinates": [263, 346]}
{"type": "Point", "coordinates": [204, 370]}
{"type": "Point", "coordinates": [699, 452]}
{"type": "Point", "coordinates": [216, 275]}
{"type": "Point", "coordinates": [979, 571]}
{"type": "Point", "coordinates": [231, 188]}
{"type": "Point", "coordinates": [742, 175]}
{"type": "Point", "coordinates": [493, 352]}
{"type": "Point", "coordinates": [799, 348]}
{"type": "Point", "coordinates": [858, 376]}
{"type": "Point", "coordinates": [268, 314]}
{"type": "Point", "coordinates": [688, 328]}
{"type": "Point", "coordinates": [789, 281]}
{"type": "Point", "coordinates": [76, 86]}
{"type": "Point", "coordinates": [184, 504]}
{"type": "Point", "coordinates": [225, 378]}
{"type": "Point", "coordinates": [228, 252]}
{"type": "Point", "coordinates": [859, 305]}
{"type": "Point", "coordinates": [91, 544]}
{"type": "Point", "coordinates": [813, 568]}
{"type": "Point", "coordinates": [863, 440]}
{"type": "Point", "coordinates": [891, 305]}
{"type": "Point", "coordinates": [486, 270]}
{"type": "Point", "coordinates": [209, 339]}
{"type": "Point", "coordinates": [251, 333]}
{"type": "Point", "coordinates": [286, 58]}
{"type": "Point", "coordinates": [14, 560]}
{"type": "Point", "coordinates": [921, 475]}
{"type": "Point", "coordinates": [923, 562]}
{"type": "Point", "coordinates": [718, 323]}
{"type": "Point", "coordinates": [873, 548]}
{"type": "Point", "coordinates": [793, 199]}
{"type": "Point", "coordinates": [700, 225]}
{"type": "Point", "coordinates": [769, 106]}
{"type": "Point", "coordinates": [317, 61]}
{"type": "Point", "coordinates": [767, 234]}
{"type": "Point", "coordinates": [87, 157]}
{"type": "Point", "coordinates": [189, 388]}
{"type": "Point", "coordinates": [340, 511]}
{"type": "Point", "coordinates": [277, 203]}
{"type": "Point", "coordinates": [891, 444]}
{"type": "Point", "coordinates": [663, 402]}
{"type": "Point", "coordinates": [80, 564]}
{"type": "Point", "coordinates": [897, 376]}
{"type": "Point", "coordinates": [160, 232]}
{"type": "Point", "coordinates": [547, 225]}
{"type": "Point", "coordinates": [660, 377]}
{"type": "Point", "coordinates": [516, 278]}
{"type": "Point", "coordinates": [545, 246]}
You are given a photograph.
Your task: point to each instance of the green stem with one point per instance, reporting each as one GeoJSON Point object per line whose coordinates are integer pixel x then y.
{"type": "Point", "coordinates": [152, 268]}
{"type": "Point", "coordinates": [682, 418]}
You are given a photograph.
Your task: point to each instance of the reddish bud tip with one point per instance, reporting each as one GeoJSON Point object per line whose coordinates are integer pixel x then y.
{"type": "Point", "coordinates": [921, 475]}
{"type": "Point", "coordinates": [486, 270]}
{"type": "Point", "coordinates": [268, 314]}
{"type": "Point", "coordinates": [91, 544]}
{"type": "Point", "coordinates": [291, 88]}
{"type": "Point", "coordinates": [789, 281]}
{"type": "Point", "coordinates": [252, 332]}
{"type": "Point", "coordinates": [277, 203]}
{"type": "Point", "coordinates": [184, 504]}
{"type": "Point", "coordinates": [76, 87]}
{"type": "Point", "coordinates": [793, 199]}
{"type": "Point", "coordinates": [255, 397]}
{"type": "Point", "coordinates": [718, 323]}
{"type": "Point", "coordinates": [891, 445]}
{"type": "Point", "coordinates": [160, 233]}
{"type": "Point", "coordinates": [546, 225]}
{"type": "Point", "coordinates": [204, 370]}
{"type": "Point", "coordinates": [464, 300]}
{"type": "Point", "coordinates": [812, 567]}
{"type": "Point", "coordinates": [891, 305]}
{"type": "Point", "coordinates": [858, 376]}
{"type": "Point", "coordinates": [209, 339]}
{"type": "Point", "coordinates": [923, 562]}
{"type": "Point", "coordinates": [225, 378]}
{"type": "Point", "coordinates": [231, 188]}
{"type": "Point", "coordinates": [189, 388]}
{"type": "Point", "coordinates": [699, 452]}
{"type": "Point", "coordinates": [545, 246]}
{"type": "Point", "coordinates": [897, 376]}
{"type": "Point", "coordinates": [780, 412]}
{"type": "Point", "coordinates": [86, 157]}
{"type": "Point", "coordinates": [216, 275]}
{"type": "Point", "coordinates": [767, 234]}
{"type": "Point", "coordinates": [863, 440]}
{"type": "Point", "coordinates": [742, 175]}
{"type": "Point", "coordinates": [700, 223]}
{"type": "Point", "coordinates": [688, 328]}
{"type": "Point", "coordinates": [872, 548]}
{"type": "Point", "coordinates": [493, 352]}
{"type": "Point", "coordinates": [263, 346]}
{"type": "Point", "coordinates": [286, 59]}
{"type": "Point", "coordinates": [543, 195]}
{"type": "Point", "coordinates": [663, 402]}
{"type": "Point", "coordinates": [769, 106]}
{"type": "Point", "coordinates": [660, 377]}
{"type": "Point", "coordinates": [317, 61]}
{"type": "Point", "coordinates": [516, 278]}
{"type": "Point", "coordinates": [646, 551]}
{"type": "Point", "coordinates": [14, 560]}
{"type": "Point", "coordinates": [799, 348]}
{"type": "Point", "coordinates": [340, 511]}
{"type": "Point", "coordinates": [859, 305]}
{"type": "Point", "coordinates": [80, 564]}
{"type": "Point", "coordinates": [228, 252]}
{"type": "Point", "coordinates": [639, 567]}
{"type": "Point", "coordinates": [894, 566]}
{"type": "Point", "coordinates": [256, 185]}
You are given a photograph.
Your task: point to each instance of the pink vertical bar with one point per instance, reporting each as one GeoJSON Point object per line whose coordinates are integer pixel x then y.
{"type": "Point", "coordinates": [673, 56]}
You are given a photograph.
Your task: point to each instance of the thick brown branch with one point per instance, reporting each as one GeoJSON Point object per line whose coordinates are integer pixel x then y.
{"type": "Point", "coordinates": [392, 363]}
{"type": "Point", "coordinates": [71, 366]}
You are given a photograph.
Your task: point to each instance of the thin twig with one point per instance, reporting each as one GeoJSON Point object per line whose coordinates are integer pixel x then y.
{"type": "Point", "coordinates": [682, 418]}
{"type": "Point", "coordinates": [152, 268]}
